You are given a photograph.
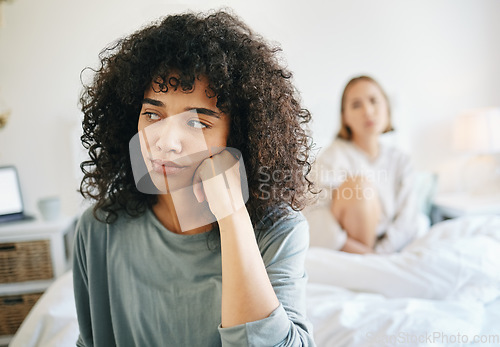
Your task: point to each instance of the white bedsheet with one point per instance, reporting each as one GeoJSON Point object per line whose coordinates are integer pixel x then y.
{"type": "Point", "coordinates": [444, 284]}
{"type": "Point", "coordinates": [52, 321]}
{"type": "Point", "coordinates": [344, 318]}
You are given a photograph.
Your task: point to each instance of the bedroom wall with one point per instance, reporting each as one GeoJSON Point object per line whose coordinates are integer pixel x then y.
{"type": "Point", "coordinates": [435, 59]}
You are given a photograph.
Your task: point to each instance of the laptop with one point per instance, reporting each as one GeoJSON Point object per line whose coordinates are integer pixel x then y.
{"type": "Point", "coordinates": [11, 200]}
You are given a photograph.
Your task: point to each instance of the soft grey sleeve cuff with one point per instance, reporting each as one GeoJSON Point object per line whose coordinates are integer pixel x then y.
{"type": "Point", "coordinates": [269, 331]}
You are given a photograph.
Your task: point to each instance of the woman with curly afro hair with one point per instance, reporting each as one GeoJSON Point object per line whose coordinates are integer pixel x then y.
{"type": "Point", "coordinates": [198, 168]}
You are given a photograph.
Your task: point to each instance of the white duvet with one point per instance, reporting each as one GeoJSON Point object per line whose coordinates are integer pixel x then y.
{"type": "Point", "coordinates": [441, 290]}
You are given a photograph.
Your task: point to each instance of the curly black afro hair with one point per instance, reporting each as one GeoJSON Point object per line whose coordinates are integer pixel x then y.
{"type": "Point", "coordinates": [244, 73]}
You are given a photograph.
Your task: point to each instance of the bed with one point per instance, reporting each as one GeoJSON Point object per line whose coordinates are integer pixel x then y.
{"type": "Point", "coordinates": [443, 289]}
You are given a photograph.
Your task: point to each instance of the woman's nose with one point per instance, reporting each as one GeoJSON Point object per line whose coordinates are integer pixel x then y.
{"type": "Point", "coordinates": [169, 136]}
{"type": "Point", "coordinates": [369, 110]}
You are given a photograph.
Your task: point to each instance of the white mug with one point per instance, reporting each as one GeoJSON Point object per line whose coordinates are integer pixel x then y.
{"type": "Point", "coordinates": [50, 208]}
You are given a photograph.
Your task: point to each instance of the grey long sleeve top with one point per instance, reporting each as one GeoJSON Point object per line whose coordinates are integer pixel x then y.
{"type": "Point", "coordinates": [139, 284]}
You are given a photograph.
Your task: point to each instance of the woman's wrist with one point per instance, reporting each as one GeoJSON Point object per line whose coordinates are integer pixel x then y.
{"type": "Point", "coordinates": [236, 221]}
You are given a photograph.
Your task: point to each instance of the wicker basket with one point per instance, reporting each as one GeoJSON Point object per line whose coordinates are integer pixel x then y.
{"type": "Point", "coordinates": [13, 310]}
{"type": "Point", "coordinates": [25, 261]}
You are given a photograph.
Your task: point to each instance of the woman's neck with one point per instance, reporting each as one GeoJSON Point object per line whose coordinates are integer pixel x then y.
{"type": "Point", "coordinates": [368, 144]}
{"type": "Point", "coordinates": [181, 213]}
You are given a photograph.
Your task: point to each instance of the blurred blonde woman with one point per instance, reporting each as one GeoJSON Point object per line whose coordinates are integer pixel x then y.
{"type": "Point", "coordinates": [368, 201]}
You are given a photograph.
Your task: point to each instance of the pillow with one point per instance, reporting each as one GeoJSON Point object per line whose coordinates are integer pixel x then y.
{"type": "Point", "coordinates": [426, 185]}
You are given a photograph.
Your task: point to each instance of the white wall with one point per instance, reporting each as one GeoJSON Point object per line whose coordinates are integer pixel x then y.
{"type": "Point", "coordinates": [435, 58]}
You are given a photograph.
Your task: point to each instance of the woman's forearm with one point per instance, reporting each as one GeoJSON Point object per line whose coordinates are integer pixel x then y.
{"type": "Point", "coordinates": [353, 246]}
{"type": "Point", "coordinates": [247, 293]}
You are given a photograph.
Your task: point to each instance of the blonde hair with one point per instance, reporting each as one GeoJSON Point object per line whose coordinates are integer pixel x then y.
{"type": "Point", "coordinates": [345, 132]}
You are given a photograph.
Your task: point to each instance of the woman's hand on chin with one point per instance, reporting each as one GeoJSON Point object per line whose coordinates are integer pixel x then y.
{"type": "Point", "coordinates": [218, 181]}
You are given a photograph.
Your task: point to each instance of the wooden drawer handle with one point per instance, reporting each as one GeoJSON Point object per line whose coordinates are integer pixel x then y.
{"type": "Point", "coordinates": [6, 247]}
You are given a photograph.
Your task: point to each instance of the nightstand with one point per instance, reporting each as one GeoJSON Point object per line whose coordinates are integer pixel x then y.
{"type": "Point", "coordinates": [453, 205]}
{"type": "Point", "coordinates": [32, 255]}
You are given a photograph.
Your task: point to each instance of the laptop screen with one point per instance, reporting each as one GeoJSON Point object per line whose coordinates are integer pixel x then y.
{"type": "Point", "coordinates": [10, 192]}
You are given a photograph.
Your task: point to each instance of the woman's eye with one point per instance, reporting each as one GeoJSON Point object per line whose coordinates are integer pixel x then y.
{"type": "Point", "coordinates": [151, 116]}
{"type": "Point", "coordinates": [197, 124]}
{"type": "Point", "coordinates": [356, 105]}
{"type": "Point", "coordinates": [374, 101]}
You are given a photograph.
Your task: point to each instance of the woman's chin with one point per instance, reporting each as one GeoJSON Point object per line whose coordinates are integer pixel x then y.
{"type": "Point", "coordinates": [373, 131]}
{"type": "Point", "coordinates": [168, 185]}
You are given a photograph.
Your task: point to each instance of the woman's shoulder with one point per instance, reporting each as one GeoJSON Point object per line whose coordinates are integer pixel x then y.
{"type": "Point", "coordinates": [91, 216]}
{"type": "Point", "coordinates": [395, 154]}
{"type": "Point", "coordinates": [337, 145]}
{"type": "Point", "coordinates": [334, 151]}
{"type": "Point", "coordinates": [284, 229]}
{"type": "Point", "coordinates": [96, 218]}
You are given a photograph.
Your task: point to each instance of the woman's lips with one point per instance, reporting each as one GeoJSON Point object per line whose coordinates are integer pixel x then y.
{"type": "Point", "coordinates": [166, 167]}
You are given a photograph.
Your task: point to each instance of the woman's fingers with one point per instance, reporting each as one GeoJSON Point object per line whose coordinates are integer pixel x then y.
{"type": "Point", "coordinates": [217, 180]}
{"type": "Point", "coordinates": [198, 190]}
